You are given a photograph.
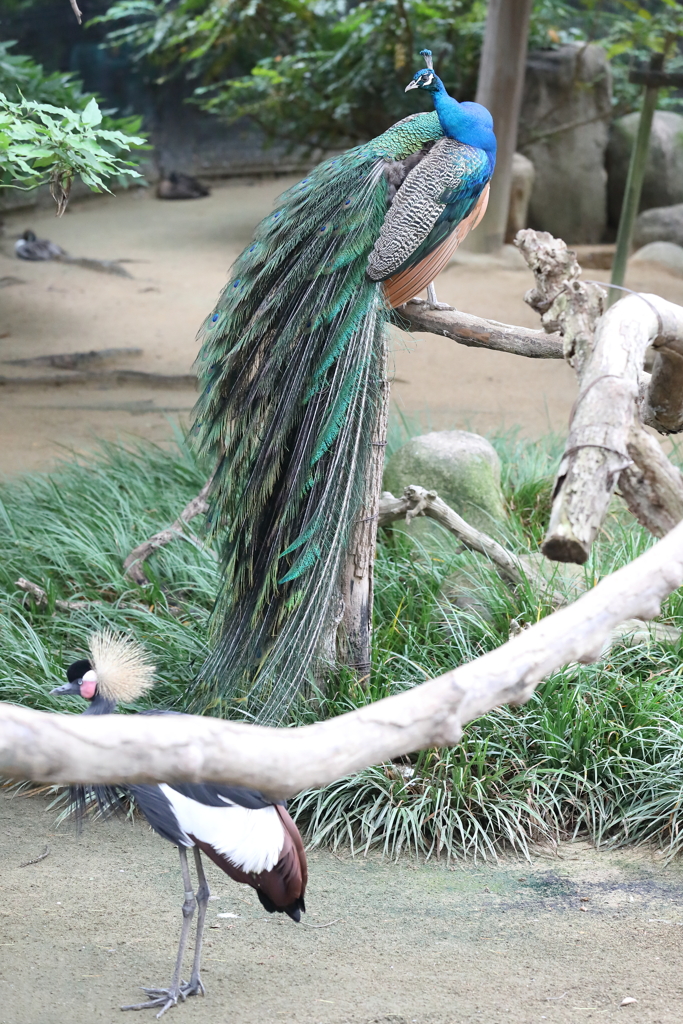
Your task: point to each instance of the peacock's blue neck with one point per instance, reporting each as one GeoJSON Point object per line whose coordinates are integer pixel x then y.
{"type": "Point", "coordinates": [469, 123]}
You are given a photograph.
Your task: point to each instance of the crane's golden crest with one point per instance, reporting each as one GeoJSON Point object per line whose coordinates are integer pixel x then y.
{"type": "Point", "coordinates": [122, 666]}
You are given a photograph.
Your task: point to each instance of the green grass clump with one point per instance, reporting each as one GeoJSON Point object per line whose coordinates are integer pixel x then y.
{"type": "Point", "coordinates": [69, 532]}
{"type": "Point", "coordinates": [596, 751]}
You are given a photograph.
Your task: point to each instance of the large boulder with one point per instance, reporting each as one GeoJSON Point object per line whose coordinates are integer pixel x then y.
{"type": "Point", "coordinates": [463, 468]}
{"type": "Point", "coordinates": [663, 182]}
{"type": "Point", "coordinates": [661, 224]}
{"type": "Point", "coordinates": [665, 254]}
{"type": "Point", "coordinates": [563, 131]}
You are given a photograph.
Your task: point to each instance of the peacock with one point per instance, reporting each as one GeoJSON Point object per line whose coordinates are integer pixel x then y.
{"type": "Point", "coordinates": [291, 369]}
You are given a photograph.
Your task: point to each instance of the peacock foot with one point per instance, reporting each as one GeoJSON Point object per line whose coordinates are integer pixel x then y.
{"type": "Point", "coordinates": [417, 301]}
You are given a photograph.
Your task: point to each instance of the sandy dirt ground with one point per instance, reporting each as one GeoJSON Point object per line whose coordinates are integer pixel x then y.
{"type": "Point", "coordinates": [183, 251]}
{"type": "Point", "coordinates": [562, 939]}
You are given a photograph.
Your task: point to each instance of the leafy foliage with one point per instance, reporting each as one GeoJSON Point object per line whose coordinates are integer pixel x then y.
{"type": "Point", "coordinates": [320, 72]}
{"type": "Point", "coordinates": [52, 131]}
{"type": "Point", "coordinates": [327, 73]}
{"type": "Point", "coordinates": [40, 143]}
{"type": "Point", "coordinates": [596, 752]}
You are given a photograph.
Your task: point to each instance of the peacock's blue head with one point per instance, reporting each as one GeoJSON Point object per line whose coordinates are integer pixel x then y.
{"type": "Point", "coordinates": [470, 123]}
{"type": "Point", "coordinates": [426, 79]}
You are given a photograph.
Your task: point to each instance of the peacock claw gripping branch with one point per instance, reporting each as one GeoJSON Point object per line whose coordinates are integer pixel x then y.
{"type": "Point", "coordinates": [290, 370]}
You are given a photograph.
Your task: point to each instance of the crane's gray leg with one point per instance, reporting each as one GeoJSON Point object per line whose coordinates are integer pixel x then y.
{"type": "Point", "coordinates": [202, 894]}
{"type": "Point", "coordinates": [165, 998]}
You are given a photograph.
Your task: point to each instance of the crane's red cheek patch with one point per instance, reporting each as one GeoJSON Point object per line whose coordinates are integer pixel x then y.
{"type": "Point", "coordinates": [88, 687]}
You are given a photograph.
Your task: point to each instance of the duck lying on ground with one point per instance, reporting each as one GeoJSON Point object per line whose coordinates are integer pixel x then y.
{"type": "Point", "coordinates": [28, 247]}
{"type": "Point", "coordinates": [180, 186]}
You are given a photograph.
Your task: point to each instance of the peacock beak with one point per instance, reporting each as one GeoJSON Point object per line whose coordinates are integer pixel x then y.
{"type": "Point", "coordinates": [411, 85]}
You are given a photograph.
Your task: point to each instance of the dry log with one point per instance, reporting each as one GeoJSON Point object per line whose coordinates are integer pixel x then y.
{"type": "Point", "coordinates": [606, 440]}
{"type": "Point", "coordinates": [281, 762]}
{"type": "Point", "coordinates": [132, 565]}
{"type": "Point", "coordinates": [354, 636]}
{"type": "Point", "coordinates": [604, 419]}
{"type": "Point", "coordinates": [475, 332]}
{"type": "Point", "coordinates": [416, 501]}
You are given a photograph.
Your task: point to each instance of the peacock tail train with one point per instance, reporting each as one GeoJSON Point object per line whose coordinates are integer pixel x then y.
{"type": "Point", "coordinates": [291, 367]}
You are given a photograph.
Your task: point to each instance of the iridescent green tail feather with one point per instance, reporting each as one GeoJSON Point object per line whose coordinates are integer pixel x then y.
{"type": "Point", "coordinates": [291, 367]}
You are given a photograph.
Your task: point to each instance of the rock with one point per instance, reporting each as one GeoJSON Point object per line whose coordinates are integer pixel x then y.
{"type": "Point", "coordinates": [523, 175]}
{"type": "Point", "coordinates": [666, 254]}
{"type": "Point", "coordinates": [634, 631]}
{"type": "Point", "coordinates": [663, 182]}
{"type": "Point", "coordinates": [463, 468]}
{"type": "Point", "coordinates": [660, 224]}
{"type": "Point", "coordinates": [566, 110]}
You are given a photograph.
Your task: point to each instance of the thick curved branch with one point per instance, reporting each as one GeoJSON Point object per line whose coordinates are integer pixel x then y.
{"type": "Point", "coordinates": [475, 332]}
{"type": "Point", "coordinates": [281, 762]}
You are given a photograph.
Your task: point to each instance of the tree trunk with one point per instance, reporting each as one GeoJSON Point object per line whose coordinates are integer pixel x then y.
{"type": "Point", "coordinates": [500, 87]}
{"type": "Point", "coordinates": [354, 637]}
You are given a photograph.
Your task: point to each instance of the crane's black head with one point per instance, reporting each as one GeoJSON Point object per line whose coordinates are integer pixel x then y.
{"type": "Point", "coordinates": [82, 681]}
{"type": "Point", "coordinates": [425, 79]}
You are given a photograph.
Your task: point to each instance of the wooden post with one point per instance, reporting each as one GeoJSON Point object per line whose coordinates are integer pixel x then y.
{"type": "Point", "coordinates": [500, 87]}
{"type": "Point", "coordinates": [354, 638]}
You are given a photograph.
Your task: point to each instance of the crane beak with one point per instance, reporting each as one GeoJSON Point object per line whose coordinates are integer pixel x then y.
{"type": "Point", "coordinates": [411, 85]}
{"type": "Point", "coordinates": [68, 688]}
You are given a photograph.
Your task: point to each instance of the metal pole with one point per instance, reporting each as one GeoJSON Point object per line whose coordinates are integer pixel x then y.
{"type": "Point", "coordinates": [634, 178]}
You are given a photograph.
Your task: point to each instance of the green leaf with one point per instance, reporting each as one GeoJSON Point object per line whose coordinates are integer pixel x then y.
{"type": "Point", "coordinates": [91, 115]}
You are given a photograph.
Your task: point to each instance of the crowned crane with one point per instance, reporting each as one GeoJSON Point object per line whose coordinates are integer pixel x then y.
{"type": "Point", "coordinates": [251, 838]}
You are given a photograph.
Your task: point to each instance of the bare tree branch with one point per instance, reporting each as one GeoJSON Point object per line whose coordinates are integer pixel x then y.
{"type": "Point", "coordinates": [132, 566]}
{"type": "Point", "coordinates": [416, 501]}
{"type": "Point", "coordinates": [475, 332]}
{"type": "Point", "coordinates": [280, 762]}
{"type": "Point", "coordinates": [40, 597]}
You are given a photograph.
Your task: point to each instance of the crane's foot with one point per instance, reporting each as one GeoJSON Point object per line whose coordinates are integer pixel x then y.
{"type": "Point", "coordinates": [165, 998]}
